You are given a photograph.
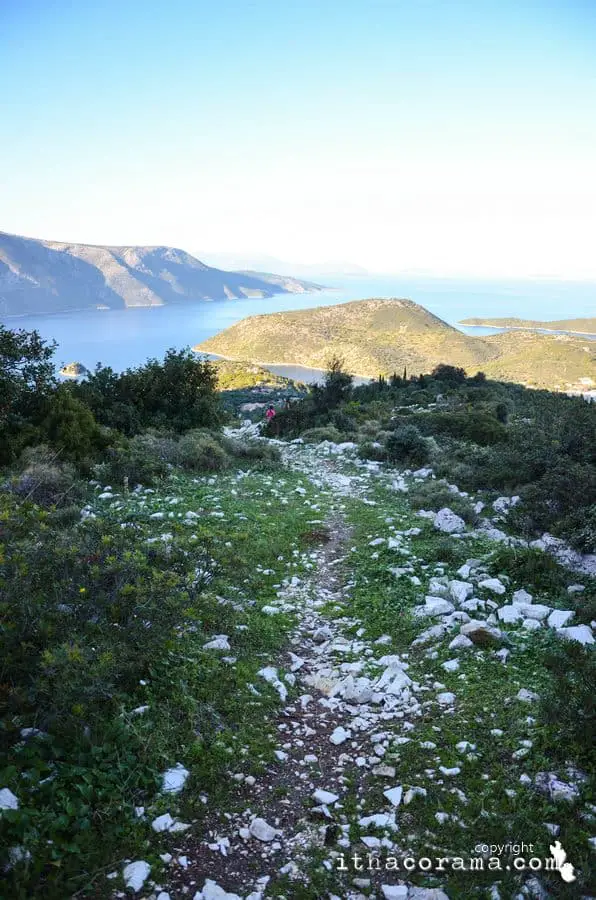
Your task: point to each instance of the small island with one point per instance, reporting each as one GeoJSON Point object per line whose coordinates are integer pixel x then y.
{"type": "Point", "coordinates": [74, 370]}
{"type": "Point", "coordinates": [573, 326]}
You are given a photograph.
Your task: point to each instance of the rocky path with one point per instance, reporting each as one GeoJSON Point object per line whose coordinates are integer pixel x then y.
{"type": "Point", "coordinates": [350, 705]}
{"type": "Point", "coordinates": [331, 738]}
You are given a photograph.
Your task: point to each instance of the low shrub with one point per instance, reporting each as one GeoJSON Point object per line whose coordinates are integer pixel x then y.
{"type": "Point", "coordinates": [372, 450]}
{"type": "Point", "coordinates": [407, 445]}
{"type": "Point", "coordinates": [143, 459]}
{"type": "Point", "coordinates": [45, 479]}
{"type": "Point", "coordinates": [323, 433]}
{"type": "Point", "coordinates": [531, 569]}
{"type": "Point", "coordinates": [260, 454]}
{"type": "Point", "coordinates": [567, 705]}
{"type": "Point", "coordinates": [201, 451]}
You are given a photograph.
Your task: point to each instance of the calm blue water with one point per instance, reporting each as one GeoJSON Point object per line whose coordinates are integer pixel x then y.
{"type": "Point", "coordinates": [121, 338]}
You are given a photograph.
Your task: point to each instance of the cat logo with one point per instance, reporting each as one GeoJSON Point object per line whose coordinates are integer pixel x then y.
{"type": "Point", "coordinates": [564, 869]}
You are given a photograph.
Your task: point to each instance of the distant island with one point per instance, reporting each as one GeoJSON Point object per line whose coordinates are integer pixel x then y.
{"type": "Point", "coordinates": [382, 336]}
{"type": "Point", "coordinates": [38, 276]}
{"type": "Point", "coordinates": [573, 326]}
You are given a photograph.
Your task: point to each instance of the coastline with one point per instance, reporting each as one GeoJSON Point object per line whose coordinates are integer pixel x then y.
{"type": "Point", "coordinates": [254, 362]}
{"type": "Point", "coordinates": [535, 328]}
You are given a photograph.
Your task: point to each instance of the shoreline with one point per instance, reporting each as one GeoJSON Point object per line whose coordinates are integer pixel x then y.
{"type": "Point", "coordinates": [264, 365]}
{"type": "Point", "coordinates": [535, 328]}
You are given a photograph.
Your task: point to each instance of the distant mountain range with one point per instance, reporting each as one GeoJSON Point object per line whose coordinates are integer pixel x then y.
{"type": "Point", "coordinates": [38, 276]}
{"type": "Point", "coordinates": [381, 336]}
{"type": "Point", "coordinates": [263, 263]}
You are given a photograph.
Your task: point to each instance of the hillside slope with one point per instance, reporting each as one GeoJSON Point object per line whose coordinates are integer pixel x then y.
{"type": "Point", "coordinates": [39, 276]}
{"type": "Point", "coordinates": [383, 336]}
{"type": "Point", "coordinates": [578, 326]}
{"type": "Point", "coordinates": [372, 336]}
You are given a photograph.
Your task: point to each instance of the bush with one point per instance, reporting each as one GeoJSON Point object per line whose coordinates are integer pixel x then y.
{"type": "Point", "coordinates": [552, 501]}
{"type": "Point", "coordinates": [46, 480]}
{"type": "Point", "coordinates": [70, 426]}
{"type": "Point", "coordinates": [407, 445]}
{"type": "Point", "coordinates": [200, 451]}
{"type": "Point", "coordinates": [143, 459]}
{"type": "Point", "coordinates": [259, 453]}
{"type": "Point", "coordinates": [478, 426]}
{"type": "Point", "coordinates": [530, 569]}
{"type": "Point", "coordinates": [323, 433]}
{"type": "Point", "coordinates": [178, 393]}
{"type": "Point", "coordinates": [83, 614]}
{"type": "Point", "coordinates": [26, 378]}
{"type": "Point", "coordinates": [568, 703]}
{"type": "Point", "coordinates": [370, 450]}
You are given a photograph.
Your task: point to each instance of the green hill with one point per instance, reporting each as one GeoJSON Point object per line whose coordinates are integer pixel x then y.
{"type": "Point", "coordinates": [577, 326]}
{"type": "Point", "coordinates": [382, 336]}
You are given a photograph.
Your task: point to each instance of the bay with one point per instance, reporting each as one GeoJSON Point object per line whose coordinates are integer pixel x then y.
{"type": "Point", "coordinates": [128, 337]}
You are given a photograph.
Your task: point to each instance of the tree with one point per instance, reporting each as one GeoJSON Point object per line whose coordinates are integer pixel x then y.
{"type": "Point", "coordinates": [336, 387]}
{"type": "Point", "coordinates": [27, 377]}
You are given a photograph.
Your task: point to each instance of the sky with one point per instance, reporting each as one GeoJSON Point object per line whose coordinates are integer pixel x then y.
{"type": "Point", "coordinates": [428, 135]}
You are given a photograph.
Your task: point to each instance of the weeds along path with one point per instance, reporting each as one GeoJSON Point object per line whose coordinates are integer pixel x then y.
{"type": "Point", "coordinates": [341, 691]}
{"type": "Point", "coordinates": [406, 726]}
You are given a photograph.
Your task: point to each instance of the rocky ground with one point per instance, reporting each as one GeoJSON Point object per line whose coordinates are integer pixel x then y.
{"type": "Point", "coordinates": [401, 731]}
{"type": "Point", "coordinates": [382, 745]}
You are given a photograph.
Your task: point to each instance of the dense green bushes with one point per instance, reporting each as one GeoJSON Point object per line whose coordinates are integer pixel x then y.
{"type": "Point", "coordinates": [177, 394]}
{"type": "Point", "coordinates": [568, 703]}
{"type": "Point", "coordinates": [83, 612]}
{"type": "Point", "coordinates": [407, 445]}
{"type": "Point", "coordinates": [482, 435]}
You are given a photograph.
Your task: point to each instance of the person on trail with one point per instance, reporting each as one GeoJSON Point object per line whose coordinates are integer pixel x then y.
{"type": "Point", "coordinates": [270, 412]}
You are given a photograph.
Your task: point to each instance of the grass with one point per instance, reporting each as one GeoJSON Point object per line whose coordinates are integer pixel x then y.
{"type": "Point", "coordinates": [201, 711]}
{"type": "Point", "coordinates": [486, 803]}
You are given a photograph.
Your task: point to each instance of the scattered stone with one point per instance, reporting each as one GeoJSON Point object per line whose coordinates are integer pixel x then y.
{"type": "Point", "coordinates": [339, 736]}
{"type": "Point", "coordinates": [559, 617]}
{"type": "Point", "coordinates": [394, 795]}
{"type": "Point", "coordinates": [448, 522]}
{"type": "Point", "coordinates": [8, 800]}
{"type": "Point", "coordinates": [135, 874]}
{"type": "Point", "coordinates": [174, 779]}
{"type": "Point", "coordinates": [481, 633]}
{"type": "Point", "coordinates": [219, 642]}
{"type": "Point", "coordinates": [325, 797]}
{"type": "Point", "coordinates": [527, 696]}
{"type": "Point", "coordinates": [261, 830]}
{"type": "Point", "coordinates": [493, 585]}
{"type": "Point", "coordinates": [580, 633]}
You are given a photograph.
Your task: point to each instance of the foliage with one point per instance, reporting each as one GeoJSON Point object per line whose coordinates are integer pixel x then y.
{"type": "Point", "coordinates": [407, 445]}
{"type": "Point", "coordinates": [143, 459]}
{"type": "Point", "coordinates": [336, 387]}
{"type": "Point", "coordinates": [177, 394]}
{"type": "Point", "coordinates": [201, 451]}
{"type": "Point", "coordinates": [568, 704]}
{"type": "Point", "coordinates": [26, 379]}
{"type": "Point", "coordinates": [45, 479]}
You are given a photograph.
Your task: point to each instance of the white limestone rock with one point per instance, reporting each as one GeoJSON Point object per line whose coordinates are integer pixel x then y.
{"type": "Point", "coordinates": [580, 633]}
{"type": "Point", "coordinates": [135, 874]}
{"type": "Point", "coordinates": [448, 522]}
{"type": "Point", "coordinates": [493, 585]}
{"type": "Point", "coordinates": [262, 831]}
{"type": "Point", "coordinates": [8, 800]}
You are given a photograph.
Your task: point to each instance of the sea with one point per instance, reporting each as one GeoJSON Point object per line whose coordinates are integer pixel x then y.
{"type": "Point", "coordinates": [128, 337]}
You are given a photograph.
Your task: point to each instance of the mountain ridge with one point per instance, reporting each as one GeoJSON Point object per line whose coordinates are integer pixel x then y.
{"type": "Point", "coordinates": [46, 276]}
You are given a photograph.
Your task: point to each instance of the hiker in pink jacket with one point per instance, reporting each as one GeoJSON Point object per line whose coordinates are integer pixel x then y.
{"type": "Point", "coordinates": [270, 412]}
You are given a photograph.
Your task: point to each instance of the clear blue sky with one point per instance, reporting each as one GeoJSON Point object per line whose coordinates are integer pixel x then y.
{"type": "Point", "coordinates": [449, 136]}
